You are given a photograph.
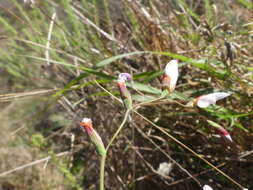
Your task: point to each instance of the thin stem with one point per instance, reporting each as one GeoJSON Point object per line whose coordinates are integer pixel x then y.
{"type": "Point", "coordinates": [119, 129]}
{"type": "Point", "coordinates": [103, 158]}
{"type": "Point", "coordinates": [102, 172]}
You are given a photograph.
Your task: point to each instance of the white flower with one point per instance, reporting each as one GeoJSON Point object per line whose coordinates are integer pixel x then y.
{"type": "Point", "coordinates": [123, 77]}
{"type": "Point", "coordinates": [86, 120]}
{"type": "Point", "coordinates": [207, 187]}
{"type": "Point", "coordinates": [206, 100]}
{"type": "Point", "coordinates": [171, 75]}
{"type": "Point", "coordinates": [165, 168]}
{"type": "Point", "coordinates": [29, 1]}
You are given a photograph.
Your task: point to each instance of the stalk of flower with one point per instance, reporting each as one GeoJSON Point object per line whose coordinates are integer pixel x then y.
{"type": "Point", "coordinates": [124, 93]}
{"type": "Point", "coordinates": [223, 132]}
{"type": "Point", "coordinates": [207, 100]}
{"type": "Point", "coordinates": [170, 77]}
{"type": "Point", "coordinates": [86, 125]}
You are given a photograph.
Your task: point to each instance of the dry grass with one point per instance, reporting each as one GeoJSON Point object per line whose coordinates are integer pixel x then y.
{"type": "Point", "coordinates": [16, 151]}
{"type": "Point", "coordinates": [214, 36]}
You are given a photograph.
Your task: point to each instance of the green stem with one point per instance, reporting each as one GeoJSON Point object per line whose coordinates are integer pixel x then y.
{"type": "Point", "coordinates": [119, 129]}
{"type": "Point", "coordinates": [103, 158]}
{"type": "Point", "coordinates": [102, 172]}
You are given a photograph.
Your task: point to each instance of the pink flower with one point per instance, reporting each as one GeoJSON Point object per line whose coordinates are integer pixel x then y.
{"type": "Point", "coordinates": [124, 93]}
{"type": "Point", "coordinates": [169, 80]}
{"type": "Point", "coordinates": [86, 125]}
{"type": "Point", "coordinates": [206, 100]}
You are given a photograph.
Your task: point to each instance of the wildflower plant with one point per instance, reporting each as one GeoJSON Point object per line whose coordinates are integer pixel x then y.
{"type": "Point", "coordinates": [169, 82]}
{"type": "Point", "coordinates": [186, 36]}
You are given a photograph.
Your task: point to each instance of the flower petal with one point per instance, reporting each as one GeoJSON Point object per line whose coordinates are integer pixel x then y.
{"type": "Point", "coordinates": [207, 187]}
{"type": "Point", "coordinates": [220, 95]}
{"type": "Point", "coordinates": [171, 73]}
{"type": "Point", "coordinates": [124, 77]}
{"type": "Point", "coordinates": [206, 100]}
{"type": "Point", "coordinates": [228, 137]}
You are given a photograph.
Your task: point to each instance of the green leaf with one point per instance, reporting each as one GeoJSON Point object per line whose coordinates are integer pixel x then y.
{"type": "Point", "coordinates": [246, 3]}
{"type": "Point", "coordinates": [144, 88]}
{"type": "Point", "coordinates": [214, 124]}
{"type": "Point", "coordinates": [114, 58]}
{"type": "Point", "coordinates": [144, 98]}
{"type": "Point", "coordinates": [152, 76]}
{"type": "Point", "coordinates": [179, 95]}
{"type": "Point", "coordinates": [97, 73]}
{"type": "Point", "coordinates": [174, 56]}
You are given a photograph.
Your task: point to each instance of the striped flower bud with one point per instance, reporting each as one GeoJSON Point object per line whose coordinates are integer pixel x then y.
{"type": "Point", "coordinates": [223, 132]}
{"type": "Point", "coordinates": [207, 187]}
{"type": "Point", "coordinates": [209, 99]}
{"type": "Point", "coordinates": [124, 93]}
{"type": "Point", "coordinates": [86, 125]}
{"type": "Point", "coordinates": [170, 77]}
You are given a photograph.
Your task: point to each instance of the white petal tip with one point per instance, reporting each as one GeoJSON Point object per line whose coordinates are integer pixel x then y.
{"type": "Point", "coordinates": [86, 120]}
{"type": "Point", "coordinates": [206, 100]}
{"type": "Point", "coordinates": [171, 68]}
{"type": "Point", "coordinates": [229, 138]}
{"type": "Point", "coordinates": [207, 187]}
{"type": "Point", "coordinates": [173, 61]}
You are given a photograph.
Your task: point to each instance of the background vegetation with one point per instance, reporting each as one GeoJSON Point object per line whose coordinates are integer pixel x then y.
{"type": "Point", "coordinates": [57, 60]}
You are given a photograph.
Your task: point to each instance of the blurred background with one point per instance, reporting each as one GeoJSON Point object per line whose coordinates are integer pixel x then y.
{"type": "Point", "coordinates": [54, 53]}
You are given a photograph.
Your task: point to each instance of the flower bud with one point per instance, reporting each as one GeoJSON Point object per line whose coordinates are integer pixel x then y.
{"type": "Point", "coordinates": [86, 125]}
{"type": "Point", "coordinates": [124, 77]}
{"type": "Point", "coordinates": [124, 93]}
{"type": "Point", "coordinates": [170, 77]}
{"type": "Point", "coordinates": [223, 132]}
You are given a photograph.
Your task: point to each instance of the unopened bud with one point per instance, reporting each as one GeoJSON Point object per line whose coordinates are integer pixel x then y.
{"type": "Point", "coordinates": [223, 132]}
{"type": "Point", "coordinates": [86, 125]}
{"type": "Point", "coordinates": [124, 93]}
{"type": "Point", "coordinates": [169, 80]}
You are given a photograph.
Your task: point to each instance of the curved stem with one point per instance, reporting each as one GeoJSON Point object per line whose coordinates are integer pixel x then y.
{"type": "Point", "coordinates": [119, 129]}
{"type": "Point", "coordinates": [103, 158]}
